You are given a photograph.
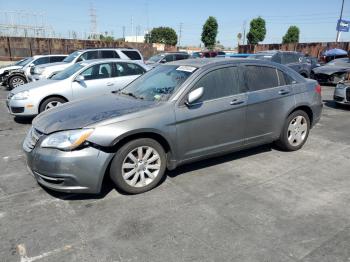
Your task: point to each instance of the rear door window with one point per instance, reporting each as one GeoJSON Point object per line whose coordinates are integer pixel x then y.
{"type": "Point", "coordinates": [109, 54]}
{"type": "Point", "coordinates": [54, 59]}
{"type": "Point", "coordinates": [169, 58]}
{"type": "Point", "coordinates": [133, 55]}
{"type": "Point", "coordinates": [260, 77]}
{"type": "Point", "coordinates": [219, 83]}
{"type": "Point", "coordinates": [290, 58]}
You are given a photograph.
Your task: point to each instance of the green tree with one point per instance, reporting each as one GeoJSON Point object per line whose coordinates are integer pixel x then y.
{"type": "Point", "coordinates": [163, 35]}
{"type": "Point", "coordinates": [257, 31]}
{"type": "Point", "coordinates": [106, 38]}
{"type": "Point", "coordinates": [209, 33]}
{"type": "Point", "coordinates": [292, 35]}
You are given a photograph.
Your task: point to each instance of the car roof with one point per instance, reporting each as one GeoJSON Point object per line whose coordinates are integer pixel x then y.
{"type": "Point", "coordinates": [209, 62]}
{"type": "Point", "coordinates": [108, 48]}
{"type": "Point", "coordinates": [38, 56]}
{"type": "Point", "coordinates": [276, 51]}
{"type": "Point", "coordinates": [106, 60]}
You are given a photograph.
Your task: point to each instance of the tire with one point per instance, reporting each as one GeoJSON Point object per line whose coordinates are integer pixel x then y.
{"type": "Point", "coordinates": [129, 173]}
{"type": "Point", "coordinates": [15, 81]}
{"type": "Point", "coordinates": [293, 137]}
{"type": "Point", "coordinates": [51, 103]}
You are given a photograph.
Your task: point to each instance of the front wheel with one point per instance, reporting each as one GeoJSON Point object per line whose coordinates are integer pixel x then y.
{"type": "Point", "coordinates": [138, 166]}
{"type": "Point", "coordinates": [16, 81]}
{"type": "Point", "coordinates": [51, 103]}
{"type": "Point", "coordinates": [295, 131]}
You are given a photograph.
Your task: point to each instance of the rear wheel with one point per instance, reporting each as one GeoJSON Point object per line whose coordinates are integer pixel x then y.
{"type": "Point", "coordinates": [51, 103]}
{"type": "Point", "coordinates": [295, 131]}
{"type": "Point", "coordinates": [16, 81]}
{"type": "Point", "coordinates": [138, 166]}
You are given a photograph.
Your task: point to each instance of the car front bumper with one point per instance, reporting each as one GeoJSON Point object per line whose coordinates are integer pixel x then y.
{"type": "Point", "coordinates": [78, 171]}
{"type": "Point", "coordinates": [25, 107]}
{"type": "Point", "coordinates": [342, 95]}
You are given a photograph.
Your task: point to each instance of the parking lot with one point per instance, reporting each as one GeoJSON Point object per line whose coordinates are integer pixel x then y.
{"type": "Point", "coordinates": [256, 205]}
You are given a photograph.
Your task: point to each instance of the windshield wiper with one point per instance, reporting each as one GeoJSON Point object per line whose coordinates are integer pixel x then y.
{"type": "Point", "coordinates": [128, 94]}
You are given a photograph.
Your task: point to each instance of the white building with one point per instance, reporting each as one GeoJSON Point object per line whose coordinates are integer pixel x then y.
{"type": "Point", "coordinates": [135, 38]}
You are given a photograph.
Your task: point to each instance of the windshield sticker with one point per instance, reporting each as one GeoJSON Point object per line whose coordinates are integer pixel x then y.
{"type": "Point", "coordinates": [186, 68]}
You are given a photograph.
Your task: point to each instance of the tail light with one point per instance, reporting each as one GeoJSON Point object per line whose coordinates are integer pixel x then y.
{"type": "Point", "coordinates": [318, 89]}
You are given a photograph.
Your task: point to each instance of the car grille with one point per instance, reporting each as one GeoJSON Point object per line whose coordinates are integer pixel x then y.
{"type": "Point", "coordinates": [348, 94]}
{"type": "Point", "coordinates": [17, 110]}
{"type": "Point", "coordinates": [31, 139]}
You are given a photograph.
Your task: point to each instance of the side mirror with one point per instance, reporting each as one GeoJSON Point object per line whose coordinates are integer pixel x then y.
{"type": "Point", "coordinates": [163, 61]}
{"type": "Point", "coordinates": [79, 78]}
{"type": "Point", "coordinates": [31, 65]}
{"type": "Point", "coordinates": [194, 95]}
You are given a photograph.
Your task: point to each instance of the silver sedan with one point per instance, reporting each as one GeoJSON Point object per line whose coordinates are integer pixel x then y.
{"type": "Point", "coordinates": [81, 80]}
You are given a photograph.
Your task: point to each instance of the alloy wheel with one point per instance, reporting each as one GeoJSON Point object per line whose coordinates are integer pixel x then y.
{"type": "Point", "coordinates": [17, 82]}
{"type": "Point", "coordinates": [52, 104]}
{"type": "Point", "coordinates": [297, 130]}
{"type": "Point", "coordinates": [141, 166]}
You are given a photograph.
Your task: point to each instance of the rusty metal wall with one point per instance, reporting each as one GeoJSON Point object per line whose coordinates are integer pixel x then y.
{"type": "Point", "coordinates": [313, 49]}
{"type": "Point", "coordinates": [15, 48]}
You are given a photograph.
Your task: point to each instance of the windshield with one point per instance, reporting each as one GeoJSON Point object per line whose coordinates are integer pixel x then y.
{"type": "Point", "coordinates": [340, 61]}
{"type": "Point", "coordinates": [71, 57]}
{"type": "Point", "coordinates": [24, 61]}
{"type": "Point", "coordinates": [67, 72]}
{"type": "Point", "coordinates": [159, 83]}
{"type": "Point", "coordinates": [156, 58]}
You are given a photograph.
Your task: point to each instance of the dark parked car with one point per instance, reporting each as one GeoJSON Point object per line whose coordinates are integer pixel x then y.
{"type": "Point", "coordinates": [295, 60]}
{"type": "Point", "coordinates": [208, 54]}
{"type": "Point", "coordinates": [332, 72]}
{"type": "Point", "coordinates": [342, 91]}
{"type": "Point", "coordinates": [174, 114]}
{"type": "Point", "coordinates": [166, 57]}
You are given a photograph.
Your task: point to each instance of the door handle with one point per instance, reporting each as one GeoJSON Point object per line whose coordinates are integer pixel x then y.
{"type": "Point", "coordinates": [236, 102]}
{"type": "Point", "coordinates": [110, 84]}
{"type": "Point", "coordinates": [283, 92]}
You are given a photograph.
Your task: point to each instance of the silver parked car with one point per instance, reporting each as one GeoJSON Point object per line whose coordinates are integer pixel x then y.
{"type": "Point", "coordinates": [342, 91]}
{"type": "Point", "coordinates": [81, 80]}
{"type": "Point", "coordinates": [174, 114]}
{"type": "Point", "coordinates": [47, 70]}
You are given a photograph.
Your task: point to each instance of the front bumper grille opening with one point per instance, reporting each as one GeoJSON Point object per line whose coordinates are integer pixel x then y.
{"type": "Point", "coordinates": [338, 99]}
{"type": "Point", "coordinates": [17, 110]}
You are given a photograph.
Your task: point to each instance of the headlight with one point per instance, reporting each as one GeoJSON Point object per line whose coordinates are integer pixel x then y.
{"type": "Point", "coordinates": [67, 140]}
{"type": "Point", "coordinates": [21, 95]}
{"type": "Point", "coordinates": [38, 70]}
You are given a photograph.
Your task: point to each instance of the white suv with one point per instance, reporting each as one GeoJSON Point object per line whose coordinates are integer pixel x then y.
{"type": "Point", "coordinates": [47, 70]}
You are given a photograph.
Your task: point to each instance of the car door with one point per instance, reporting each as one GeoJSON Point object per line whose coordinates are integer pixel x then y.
{"type": "Point", "coordinates": [97, 81]}
{"type": "Point", "coordinates": [215, 122]}
{"type": "Point", "coordinates": [269, 100]}
{"type": "Point", "coordinates": [124, 73]}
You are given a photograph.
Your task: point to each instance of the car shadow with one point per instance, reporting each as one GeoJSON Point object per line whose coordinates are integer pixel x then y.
{"type": "Point", "coordinates": [23, 120]}
{"type": "Point", "coordinates": [334, 105]}
{"type": "Point", "coordinates": [108, 186]}
{"type": "Point", "coordinates": [219, 160]}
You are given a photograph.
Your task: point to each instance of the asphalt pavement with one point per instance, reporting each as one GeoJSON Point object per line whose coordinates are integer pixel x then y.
{"type": "Point", "coordinates": [257, 205]}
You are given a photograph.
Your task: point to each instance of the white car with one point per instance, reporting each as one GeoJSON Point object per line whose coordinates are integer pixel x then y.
{"type": "Point", "coordinates": [47, 70]}
{"type": "Point", "coordinates": [81, 80]}
{"type": "Point", "coordinates": [18, 73]}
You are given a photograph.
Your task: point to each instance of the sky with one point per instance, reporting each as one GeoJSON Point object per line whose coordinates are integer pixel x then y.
{"type": "Point", "coordinates": [315, 18]}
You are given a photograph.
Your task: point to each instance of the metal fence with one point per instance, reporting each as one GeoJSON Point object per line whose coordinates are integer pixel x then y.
{"type": "Point", "coordinates": [15, 48]}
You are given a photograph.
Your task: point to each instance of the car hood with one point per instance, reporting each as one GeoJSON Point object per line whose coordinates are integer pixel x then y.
{"type": "Point", "coordinates": [34, 85]}
{"type": "Point", "coordinates": [6, 68]}
{"type": "Point", "coordinates": [85, 112]}
{"type": "Point", "coordinates": [329, 70]}
{"type": "Point", "coordinates": [54, 65]}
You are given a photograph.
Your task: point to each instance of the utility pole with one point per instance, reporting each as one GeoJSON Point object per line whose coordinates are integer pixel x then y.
{"type": "Point", "coordinates": [340, 18]}
{"type": "Point", "coordinates": [244, 31]}
{"type": "Point", "coordinates": [93, 22]}
{"type": "Point", "coordinates": [123, 32]}
{"type": "Point", "coordinates": [180, 34]}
